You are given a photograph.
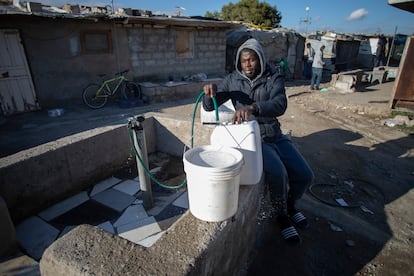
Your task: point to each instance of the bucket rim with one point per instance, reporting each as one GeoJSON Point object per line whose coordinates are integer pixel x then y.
{"type": "Point", "coordinates": [233, 151]}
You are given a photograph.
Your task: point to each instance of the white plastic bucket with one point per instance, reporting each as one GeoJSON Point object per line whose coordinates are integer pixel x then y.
{"type": "Point", "coordinates": [213, 180]}
{"type": "Point", "coordinates": [246, 138]}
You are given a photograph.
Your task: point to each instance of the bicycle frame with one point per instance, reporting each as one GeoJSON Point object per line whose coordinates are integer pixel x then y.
{"type": "Point", "coordinates": [107, 86]}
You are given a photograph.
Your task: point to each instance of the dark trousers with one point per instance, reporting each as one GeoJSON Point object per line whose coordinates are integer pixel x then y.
{"type": "Point", "coordinates": [307, 69]}
{"type": "Point", "coordinates": [286, 172]}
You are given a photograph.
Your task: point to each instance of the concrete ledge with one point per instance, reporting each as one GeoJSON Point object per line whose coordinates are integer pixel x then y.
{"type": "Point", "coordinates": [34, 179]}
{"type": "Point", "coordinates": [7, 232]}
{"type": "Point", "coordinates": [160, 94]}
{"type": "Point", "coordinates": [189, 247]}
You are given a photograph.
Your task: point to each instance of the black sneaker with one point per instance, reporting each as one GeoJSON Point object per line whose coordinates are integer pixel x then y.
{"type": "Point", "coordinates": [299, 219]}
{"type": "Point", "coordinates": [288, 231]}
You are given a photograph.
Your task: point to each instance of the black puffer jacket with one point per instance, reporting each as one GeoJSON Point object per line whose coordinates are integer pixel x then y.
{"type": "Point", "coordinates": [267, 91]}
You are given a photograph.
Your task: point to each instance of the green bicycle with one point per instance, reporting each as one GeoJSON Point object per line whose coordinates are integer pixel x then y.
{"type": "Point", "coordinates": [96, 95]}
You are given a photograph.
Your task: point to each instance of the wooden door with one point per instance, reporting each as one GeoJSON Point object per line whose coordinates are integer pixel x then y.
{"type": "Point", "coordinates": [17, 94]}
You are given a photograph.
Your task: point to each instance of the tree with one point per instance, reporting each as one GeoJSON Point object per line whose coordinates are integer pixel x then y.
{"type": "Point", "coordinates": [250, 11]}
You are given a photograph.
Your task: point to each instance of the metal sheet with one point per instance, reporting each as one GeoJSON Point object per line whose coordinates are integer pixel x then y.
{"type": "Point", "coordinates": [404, 84]}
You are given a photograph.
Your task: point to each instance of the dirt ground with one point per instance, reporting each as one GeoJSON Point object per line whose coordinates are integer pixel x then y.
{"type": "Point", "coordinates": [354, 157]}
{"type": "Point", "coordinates": [368, 165]}
{"type": "Point", "coordinates": [374, 234]}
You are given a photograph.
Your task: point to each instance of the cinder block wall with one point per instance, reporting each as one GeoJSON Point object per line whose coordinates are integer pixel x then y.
{"type": "Point", "coordinates": [154, 55]}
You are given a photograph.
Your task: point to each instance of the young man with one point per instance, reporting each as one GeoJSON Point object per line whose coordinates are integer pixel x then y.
{"type": "Point", "coordinates": [307, 66]}
{"type": "Point", "coordinates": [317, 69]}
{"type": "Point", "coordinates": [260, 91]}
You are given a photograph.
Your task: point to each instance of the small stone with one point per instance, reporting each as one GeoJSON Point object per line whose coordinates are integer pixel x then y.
{"type": "Point", "coordinates": [350, 243]}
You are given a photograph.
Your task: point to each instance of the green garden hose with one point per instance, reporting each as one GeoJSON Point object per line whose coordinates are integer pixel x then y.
{"type": "Point", "coordinates": [141, 163]}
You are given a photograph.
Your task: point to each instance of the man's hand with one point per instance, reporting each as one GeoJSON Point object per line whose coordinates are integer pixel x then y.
{"type": "Point", "coordinates": [210, 90]}
{"type": "Point", "coordinates": [243, 114]}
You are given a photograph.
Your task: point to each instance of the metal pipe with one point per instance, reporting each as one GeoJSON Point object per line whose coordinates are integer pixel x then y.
{"type": "Point", "coordinates": [392, 46]}
{"type": "Point", "coordinates": [142, 159]}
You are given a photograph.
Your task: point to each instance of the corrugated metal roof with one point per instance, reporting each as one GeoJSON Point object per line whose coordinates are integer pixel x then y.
{"type": "Point", "coordinates": [407, 5]}
{"type": "Point", "coordinates": [52, 12]}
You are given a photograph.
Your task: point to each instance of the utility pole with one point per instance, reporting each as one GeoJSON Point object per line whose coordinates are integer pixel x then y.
{"type": "Point", "coordinates": [307, 20]}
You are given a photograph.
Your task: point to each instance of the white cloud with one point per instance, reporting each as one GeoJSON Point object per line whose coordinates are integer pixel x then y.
{"type": "Point", "coordinates": [358, 14]}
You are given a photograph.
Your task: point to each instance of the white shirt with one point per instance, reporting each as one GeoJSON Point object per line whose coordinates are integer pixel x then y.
{"type": "Point", "coordinates": [318, 60]}
{"type": "Point", "coordinates": [310, 53]}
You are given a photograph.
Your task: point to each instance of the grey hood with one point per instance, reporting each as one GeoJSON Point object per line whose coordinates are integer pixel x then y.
{"type": "Point", "coordinates": [254, 45]}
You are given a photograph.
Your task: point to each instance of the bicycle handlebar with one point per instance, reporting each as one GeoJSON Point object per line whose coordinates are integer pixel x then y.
{"type": "Point", "coordinates": [122, 72]}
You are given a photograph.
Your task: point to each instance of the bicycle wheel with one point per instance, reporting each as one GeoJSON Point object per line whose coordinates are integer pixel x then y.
{"type": "Point", "coordinates": [91, 99]}
{"type": "Point", "coordinates": [131, 90]}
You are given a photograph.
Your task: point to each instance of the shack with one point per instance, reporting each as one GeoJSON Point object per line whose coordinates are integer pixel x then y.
{"type": "Point", "coordinates": [50, 55]}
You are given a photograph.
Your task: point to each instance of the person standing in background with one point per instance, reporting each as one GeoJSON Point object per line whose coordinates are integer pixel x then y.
{"type": "Point", "coordinates": [317, 69]}
{"type": "Point", "coordinates": [380, 52]}
{"type": "Point", "coordinates": [308, 60]}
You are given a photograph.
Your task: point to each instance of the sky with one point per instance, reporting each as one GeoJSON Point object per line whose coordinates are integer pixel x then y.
{"type": "Point", "coordinates": [350, 16]}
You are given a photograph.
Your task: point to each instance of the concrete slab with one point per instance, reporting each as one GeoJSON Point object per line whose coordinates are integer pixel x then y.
{"type": "Point", "coordinates": [129, 186]}
{"type": "Point", "coordinates": [103, 185]}
{"type": "Point", "coordinates": [35, 235]}
{"type": "Point", "coordinates": [139, 229]}
{"type": "Point", "coordinates": [64, 206]}
{"type": "Point", "coordinates": [131, 214]}
{"type": "Point", "coordinates": [161, 202]}
{"type": "Point", "coordinates": [148, 242]}
{"type": "Point", "coordinates": [182, 201]}
{"type": "Point", "coordinates": [107, 226]}
{"type": "Point", "coordinates": [114, 199]}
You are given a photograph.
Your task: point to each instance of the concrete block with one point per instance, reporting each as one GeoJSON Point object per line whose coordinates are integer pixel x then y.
{"type": "Point", "coordinates": [114, 199]}
{"type": "Point", "coordinates": [35, 235]}
{"type": "Point", "coordinates": [344, 82]}
{"type": "Point", "coordinates": [131, 214]}
{"type": "Point", "coordinates": [8, 238]}
{"type": "Point", "coordinates": [107, 226]}
{"type": "Point", "coordinates": [130, 187]}
{"type": "Point", "coordinates": [138, 230]}
{"type": "Point", "coordinates": [103, 185]}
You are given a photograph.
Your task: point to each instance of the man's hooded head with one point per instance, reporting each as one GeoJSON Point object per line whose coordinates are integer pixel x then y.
{"type": "Point", "coordinates": [252, 45]}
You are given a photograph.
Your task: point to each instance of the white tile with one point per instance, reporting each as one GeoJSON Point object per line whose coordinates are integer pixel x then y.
{"type": "Point", "coordinates": [129, 186]}
{"type": "Point", "coordinates": [103, 185]}
{"type": "Point", "coordinates": [107, 226]}
{"type": "Point", "coordinates": [131, 214]}
{"type": "Point", "coordinates": [114, 199]}
{"type": "Point", "coordinates": [35, 235]}
{"type": "Point", "coordinates": [64, 206]}
{"type": "Point", "coordinates": [139, 230]}
{"type": "Point", "coordinates": [161, 202]}
{"type": "Point", "coordinates": [138, 201]}
{"type": "Point", "coordinates": [182, 201]}
{"type": "Point", "coordinates": [148, 242]}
